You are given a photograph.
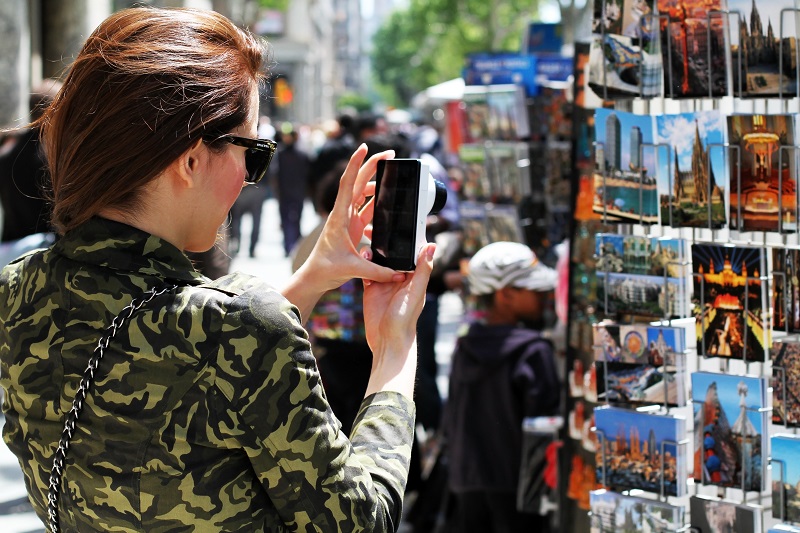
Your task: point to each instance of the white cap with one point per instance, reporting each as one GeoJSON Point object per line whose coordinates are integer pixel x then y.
{"type": "Point", "coordinates": [508, 264]}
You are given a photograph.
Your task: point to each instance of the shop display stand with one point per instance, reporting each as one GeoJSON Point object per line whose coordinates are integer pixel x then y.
{"type": "Point", "coordinates": [734, 233]}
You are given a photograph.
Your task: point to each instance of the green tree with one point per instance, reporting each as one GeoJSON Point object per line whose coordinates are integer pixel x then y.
{"type": "Point", "coordinates": [427, 42]}
{"type": "Point", "coordinates": [280, 5]}
{"type": "Point", "coordinates": [355, 101]}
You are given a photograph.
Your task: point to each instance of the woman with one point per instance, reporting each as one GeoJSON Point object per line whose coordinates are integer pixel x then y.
{"type": "Point", "coordinates": [207, 412]}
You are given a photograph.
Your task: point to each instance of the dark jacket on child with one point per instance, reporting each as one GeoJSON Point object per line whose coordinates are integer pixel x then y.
{"type": "Point", "coordinates": [500, 375]}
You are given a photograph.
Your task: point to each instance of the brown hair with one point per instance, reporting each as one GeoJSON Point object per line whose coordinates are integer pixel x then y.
{"type": "Point", "coordinates": [147, 84]}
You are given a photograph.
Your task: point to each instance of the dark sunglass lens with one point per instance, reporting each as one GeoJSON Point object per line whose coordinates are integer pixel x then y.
{"type": "Point", "coordinates": [257, 162]}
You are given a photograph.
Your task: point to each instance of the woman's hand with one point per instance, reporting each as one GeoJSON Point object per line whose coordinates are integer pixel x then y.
{"type": "Point", "coordinates": [335, 258]}
{"type": "Point", "coordinates": [391, 312]}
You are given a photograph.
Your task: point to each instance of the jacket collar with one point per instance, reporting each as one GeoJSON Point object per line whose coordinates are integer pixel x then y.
{"type": "Point", "coordinates": [123, 248]}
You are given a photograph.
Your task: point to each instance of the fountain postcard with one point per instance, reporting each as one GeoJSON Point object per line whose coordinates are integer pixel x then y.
{"type": "Point", "coordinates": [728, 301]}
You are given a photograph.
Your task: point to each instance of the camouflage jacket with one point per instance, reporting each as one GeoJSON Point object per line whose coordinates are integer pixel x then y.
{"type": "Point", "coordinates": [207, 412]}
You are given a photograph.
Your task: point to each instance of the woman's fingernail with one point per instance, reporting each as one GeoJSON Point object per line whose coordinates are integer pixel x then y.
{"type": "Point", "coordinates": [399, 277]}
{"type": "Point", "coordinates": [431, 251]}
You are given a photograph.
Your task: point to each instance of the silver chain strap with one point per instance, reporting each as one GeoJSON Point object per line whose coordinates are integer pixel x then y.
{"type": "Point", "coordinates": [56, 472]}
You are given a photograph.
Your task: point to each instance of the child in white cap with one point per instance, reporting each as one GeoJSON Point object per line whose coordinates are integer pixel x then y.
{"type": "Point", "coordinates": [502, 371]}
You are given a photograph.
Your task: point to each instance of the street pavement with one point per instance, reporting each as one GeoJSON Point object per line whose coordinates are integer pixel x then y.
{"type": "Point", "coordinates": [16, 514]}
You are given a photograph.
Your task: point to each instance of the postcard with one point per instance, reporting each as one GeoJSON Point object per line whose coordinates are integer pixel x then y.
{"type": "Point", "coordinates": [784, 451]}
{"type": "Point", "coordinates": [784, 528]}
{"type": "Point", "coordinates": [476, 185]}
{"type": "Point", "coordinates": [762, 184]}
{"type": "Point", "coordinates": [640, 384]}
{"type": "Point", "coordinates": [728, 301]}
{"type": "Point", "coordinates": [638, 450]}
{"type": "Point", "coordinates": [785, 356]}
{"type": "Point", "coordinates": [508, 115]}
{"type": "Point", "coordinates": [731, 430]}
{"type": "Point", "coordinates": [476, 104]}
{"type": "Point", "coordinates": [623, 67]}
{"type": "Point", "coordinates": [786, 290]}
{"type": "Point", "coordinates": [717, 516]}
{"type": "Point", "coordinates": [692, 178]}
{"type": "Point", "coordinates": [510, 181]}
{"type": "Point", "coordinates": [613, 512]}
{"type": "Point", "coordinates": [651, 296]}
{"type": "Point", "coordinates": [474, 235]}
{"type": "Point", "coordinates": [638, 343]}
{"type": "Point", "coordinates": [694, 66]}
{"type": "Point", "coordinates": [642, 275]}
{"type": "Point", "coordinates": [625, 168]}
{"type": "Point", "coordinates": [640, 364]}
{"type": "Point", "coordinates": [756, 54]}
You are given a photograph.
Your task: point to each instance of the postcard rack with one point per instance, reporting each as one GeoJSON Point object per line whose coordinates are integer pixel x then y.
{"type": "Point", "coordinates": [738, 217]}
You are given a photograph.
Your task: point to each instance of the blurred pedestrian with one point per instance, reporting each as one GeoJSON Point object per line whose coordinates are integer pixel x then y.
{"type": "Point", "coordinates": [336, 148]}
{"type": "Point", "coordinates": [291, 186]}
{"type": "Point", "coordinates": [250, 202]}
{"type": "Point", "coordinates": [336, 324]}
{"type": "Point", "coordinates": [503, 370]}
{"type": "Point", "coordinates": [25, 183]}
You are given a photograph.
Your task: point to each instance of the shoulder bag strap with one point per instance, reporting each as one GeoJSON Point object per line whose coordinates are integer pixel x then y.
{"type": "Point", "coordinates": [71, 422]}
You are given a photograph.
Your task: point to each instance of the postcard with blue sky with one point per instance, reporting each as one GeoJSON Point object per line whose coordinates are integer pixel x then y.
{"type": "Point", "coordinates": [612, 512]}
{"type": "Point", "coordinates": [784, 450]}
{"type": "Point", "coordinates": [625, 167]}
{"type": "Point", "coordinates": [730, 441]}
{"type": "Point", "coordinates": [632, 447]}
{"type": "Point", "coordinates": [692, 179]}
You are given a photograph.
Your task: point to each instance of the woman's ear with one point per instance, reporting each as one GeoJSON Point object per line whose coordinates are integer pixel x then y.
{"type": "Point", "coordinates": [189, 164]}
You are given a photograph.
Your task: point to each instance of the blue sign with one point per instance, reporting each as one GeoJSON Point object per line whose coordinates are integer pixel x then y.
{"type": "Point", "coordinates": [553, 68]}
{"type": "Point", "coordinates": [501, 69]}
{"type": "Point", "coordinates": [543, 37]}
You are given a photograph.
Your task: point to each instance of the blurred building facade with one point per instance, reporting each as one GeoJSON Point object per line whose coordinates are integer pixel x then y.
{"type": "Point", "coordinates": [317, 45]}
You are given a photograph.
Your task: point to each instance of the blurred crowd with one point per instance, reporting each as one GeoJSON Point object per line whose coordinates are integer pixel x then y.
{"type": "Point", "coordinates": [305, 173]}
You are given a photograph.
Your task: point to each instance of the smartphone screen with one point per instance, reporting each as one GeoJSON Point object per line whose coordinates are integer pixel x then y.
{"type": "Point", "coordinates": [394, 222]}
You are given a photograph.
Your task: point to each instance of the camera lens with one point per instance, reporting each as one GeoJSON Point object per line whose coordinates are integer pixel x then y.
{"type": "Point", "coordinates": [441, 197]}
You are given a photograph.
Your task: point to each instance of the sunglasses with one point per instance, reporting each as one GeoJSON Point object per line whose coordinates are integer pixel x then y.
{"type": "Point", "coordinates": [257, 157]}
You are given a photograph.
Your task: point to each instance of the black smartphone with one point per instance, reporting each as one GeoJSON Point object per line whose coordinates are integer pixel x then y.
{"type": "Point", "coordinates": [396, 230]}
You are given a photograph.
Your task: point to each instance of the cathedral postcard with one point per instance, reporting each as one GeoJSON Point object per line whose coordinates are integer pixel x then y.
{"type": "Point", "coordinates": [691, 169]}
{"type": "Point", "coordinates": [764, 61]}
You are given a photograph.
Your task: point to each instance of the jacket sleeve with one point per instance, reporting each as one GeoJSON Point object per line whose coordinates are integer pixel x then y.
{"type": "Point", "coordinates": [536, 378]}
{"type": "Point", "coordinates": [317, 478]}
